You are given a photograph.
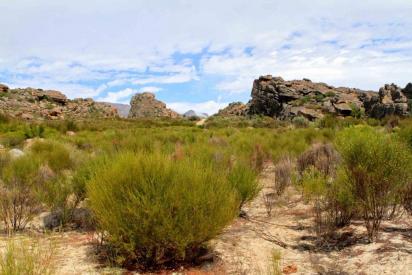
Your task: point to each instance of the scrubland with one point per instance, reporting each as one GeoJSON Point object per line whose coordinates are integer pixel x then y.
{"type": "Point", "coordinates": [165, 196]}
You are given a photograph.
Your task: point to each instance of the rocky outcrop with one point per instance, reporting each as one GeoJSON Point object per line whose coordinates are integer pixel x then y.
{"type": "Point", "coordinates": [408, 91]}
{"type": "Point", "coordinates": [275, 97]}
{"type": "Point", "coordinates": [38, 104]}
{"type": "Point", "coordinates": [234, 109]}
{"type": "Point", "coordinates": [145, 105]}
{"type": "Point", "coordinates": [389, 101]}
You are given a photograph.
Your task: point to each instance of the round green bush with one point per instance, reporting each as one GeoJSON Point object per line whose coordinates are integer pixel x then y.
{"type": "Point", "coordinates": [156, 210]}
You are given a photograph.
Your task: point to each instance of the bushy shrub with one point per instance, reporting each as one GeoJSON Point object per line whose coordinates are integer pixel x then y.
{"type": "Point", "coordinates": [284, 170]}
{"type": "Point", "coordinates": [156, 210]}
{"type": "Point", "coordinates": [244, 180]}
{"type": "Point", "coordinates": [333, 203]}
{"type": "Point", "coordinates": [19, 198]}
{"type": "Point", "coordinates": [56, 155]}
{"type": "Point", "coordinates": [22, 257]}
{"type": "Point", "coordinates": [300, 122]}
{"type": "Point", "coordinates": [377, 168]}
{"type": "Point", "coordinates": [34, 130]}
{"type": "Point", "coordinates": [13, 138]}
{"type": "Point", "coordinates": [323, 157]}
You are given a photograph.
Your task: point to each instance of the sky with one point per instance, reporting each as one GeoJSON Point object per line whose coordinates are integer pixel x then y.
{"type": "Point", "coordinates": [197, 54]}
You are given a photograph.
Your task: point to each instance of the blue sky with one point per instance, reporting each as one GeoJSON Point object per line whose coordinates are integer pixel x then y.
{"type": "Point", "coordinates": [201, 54]}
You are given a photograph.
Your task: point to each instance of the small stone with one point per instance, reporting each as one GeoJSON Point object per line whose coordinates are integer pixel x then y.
{"type": "Point", "coordinates": [290, 269]}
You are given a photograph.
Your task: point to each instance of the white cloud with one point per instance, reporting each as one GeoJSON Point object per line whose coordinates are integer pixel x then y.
{"type": "Point", "coordinates": [209, 107]}
{"type": "Point", "coordinates": [123, 96]}
{"type": "Point", "coordinates": [86, 47]}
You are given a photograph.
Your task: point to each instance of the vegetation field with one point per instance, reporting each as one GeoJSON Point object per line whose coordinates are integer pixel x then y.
{"type": "Point", "coordinates": [157, 195]}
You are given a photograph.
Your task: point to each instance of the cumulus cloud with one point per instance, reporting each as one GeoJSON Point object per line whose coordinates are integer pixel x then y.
{"type": "Point", "coordinates": [123, 96]}
{"type": "Point", "coordinates": [107, 49]}
{"type": "Point", "coordinates": [209, 107]}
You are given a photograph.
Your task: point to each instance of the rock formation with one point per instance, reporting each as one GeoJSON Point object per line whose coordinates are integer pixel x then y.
{"type": "Point", "coordinates": [234, 109]}
{"type": "Point", "coordinates": [38, 104]}
{"type": "Point", "coordinates": [275, 97]}
{"type": "Point", "coordinates": [146, 105]}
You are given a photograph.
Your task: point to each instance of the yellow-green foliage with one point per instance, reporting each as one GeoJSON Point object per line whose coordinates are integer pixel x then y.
{"type": "Point", "coordinates": [156, 209]}
{"type": "Point", "coordinates": [377, 169]}
{"type": "Point", "coordinates": [21, 257]}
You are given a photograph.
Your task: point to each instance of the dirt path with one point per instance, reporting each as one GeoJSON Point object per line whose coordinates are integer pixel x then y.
{"type": "Point", "coordinates": [246, 246]}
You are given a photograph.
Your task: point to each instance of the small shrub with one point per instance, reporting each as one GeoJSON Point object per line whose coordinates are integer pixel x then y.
{"type": "Point", "coordinates": [258, 158]}
{"type": "Point", "coordinates": [13, 139]}
{"type": "Point", "coordinates": [56, 155]}
{"type": "Point", "coordinates": [377, 168]}
{"type": "Point", "coordinates": [300, 122]}
{"type": "Point", "coordinates": [323, 157]}
{"type": "Point", "coordinates": [157, 211]}
{"type": "Point", "coordinates": [33, 131]}
{"type": "Point", "coordinates": [283, 174]}
{"type": "Point", "coordinates": [244, 180]}
{"type": "Point", "coordinates": [275, 263]}
{"type": "Point", "coordinates": [22, 257]}
{"type": "Point", "coordinates": [356, 111]}
{"type": "Point", "coordinates": [19, 201]}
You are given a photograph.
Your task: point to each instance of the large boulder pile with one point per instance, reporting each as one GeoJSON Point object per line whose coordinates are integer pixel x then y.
{"type": "Point", "coordinates": [275, 97]}
{"type": "Point", "coordinates": [145, 105]}
{"type": "Point", "coordinates": [38, 104]}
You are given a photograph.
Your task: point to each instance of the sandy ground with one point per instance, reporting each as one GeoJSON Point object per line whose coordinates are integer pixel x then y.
{"type": "Point", "coordinates": [247, 245]}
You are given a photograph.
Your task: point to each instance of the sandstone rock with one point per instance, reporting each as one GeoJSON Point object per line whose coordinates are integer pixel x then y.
{"type": "Point", "coordinates": [3, 88]}
{"type": "Point", "coordinates": [55, 96]}
{"type": "Point", "coordinates": [31, 104]}
{"type": "Point", "coordinates": [234, 109]}
{"type": "Point", "coordinates": [275, 97]}
{"type": "Point", "coordinates": [145, 105]}
{"type": "Point", "coordinates": [27, 116]}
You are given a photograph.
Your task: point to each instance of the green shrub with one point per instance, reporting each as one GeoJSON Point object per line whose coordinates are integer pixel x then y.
{"type": "Point", "coordinates": [300, 122]}
{"type": "Point", "coordinates": [333, 203]}
{"type": "Point", "coordinates": [22, 257]}
{"type": "Point", "coordinates": [158, 211]}
{"type": "Point", "coordinates": [245, 182]}
{"type": "Point", "coordinates": [356, 111]}
{"type": "Point", "coordinates": [377, 168]}
{"type": "Point", "coordinates": [33, 131]}
{"type": "Point", "coordinates": [56, 155]}
{"type": "Point", "coordinates": [19, 198]}
{"type": "Point", "coordinates": [284, 171]}
{"type": "Point", "coordinates": [13, 138]}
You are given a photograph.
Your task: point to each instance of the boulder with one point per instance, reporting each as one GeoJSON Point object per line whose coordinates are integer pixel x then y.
{"type": "Point", "coordinates": [407, 91]}
{"type": "Point", "coordinates": [145, 105]}
{"type": "Point", "coordinates": [3, 88]}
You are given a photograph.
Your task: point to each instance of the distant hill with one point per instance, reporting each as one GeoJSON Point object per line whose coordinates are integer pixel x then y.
{"type": "Point", "coordinates": [122, 109]}
{"type": "Point", "coordinates": [192, 113]}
